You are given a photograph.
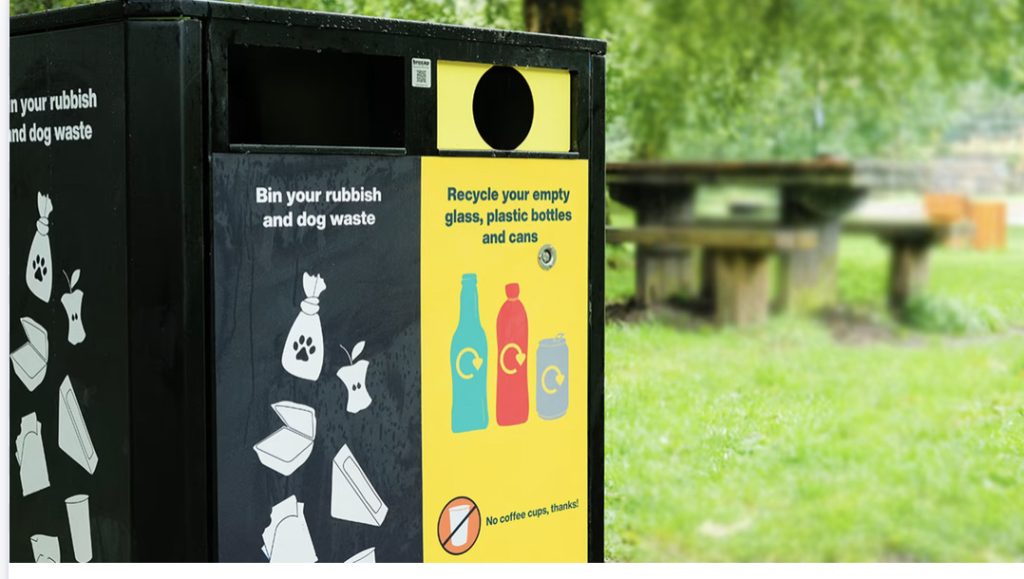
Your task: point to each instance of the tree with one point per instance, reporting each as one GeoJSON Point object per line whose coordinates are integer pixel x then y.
{"type": "Point", "coordinates": [563, 17]}
{"type": "Point", "coordinates": [702, 78]}
{"type": "Point", "coordinates": [490, 13]}
{"type": "Point", "coordinates": [762, 78]}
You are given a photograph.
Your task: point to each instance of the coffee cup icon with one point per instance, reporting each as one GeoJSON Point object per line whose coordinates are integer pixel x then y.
{"type": "Point", "coordinates": [552, 378]}
{"type": "Point", "coordinates": [81, 529]}
{"type": "Point", "coordinates": [457, 515]}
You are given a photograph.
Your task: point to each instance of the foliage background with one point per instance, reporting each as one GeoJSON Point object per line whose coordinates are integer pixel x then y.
{"type": "Point", "coordinates": [890, 445]}
{"type": "Point", "coordinates": [770, 78]}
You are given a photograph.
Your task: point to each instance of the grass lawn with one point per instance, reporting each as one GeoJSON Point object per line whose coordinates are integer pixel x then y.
{"type": "Point", "coordinates": [783, 443]}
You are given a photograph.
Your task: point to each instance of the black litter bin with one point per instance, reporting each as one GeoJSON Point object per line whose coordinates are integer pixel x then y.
{"type": "Point", "coordinates": [292, 286]}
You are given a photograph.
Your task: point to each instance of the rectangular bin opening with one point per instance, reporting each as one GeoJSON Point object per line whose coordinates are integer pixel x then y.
{"type": "Point", "coordinates": [284, 96]}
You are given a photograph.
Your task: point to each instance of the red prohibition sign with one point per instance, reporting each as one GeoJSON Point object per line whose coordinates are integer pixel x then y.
{"type": "Point", "coordinates": [458, 527]}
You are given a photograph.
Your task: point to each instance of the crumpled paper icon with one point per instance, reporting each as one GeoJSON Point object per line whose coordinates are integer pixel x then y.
{"type": "Point", "coordinates": [31, 457]}
{"type": "Point", "coordinates": [45, 549]}
{"type": "Point", "coordinates": [287, 539]}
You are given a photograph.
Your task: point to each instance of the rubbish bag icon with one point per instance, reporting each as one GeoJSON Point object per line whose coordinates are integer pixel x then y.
{"type": "Point", "coordinates": [39, 270]}
{"type": "Point", "coordinates": [303, 355]}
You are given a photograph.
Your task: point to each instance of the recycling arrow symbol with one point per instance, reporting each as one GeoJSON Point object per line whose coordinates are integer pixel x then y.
{"type": "Point", "coordinates": [559, 378]}
{"type": "Point", "coordinates": [520, 358]}
{"type": "Point", "coordinates": [477, 362]}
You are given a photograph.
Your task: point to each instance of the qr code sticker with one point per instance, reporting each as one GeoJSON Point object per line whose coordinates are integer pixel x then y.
{"type": "Point", "coordinates": [421, 72]}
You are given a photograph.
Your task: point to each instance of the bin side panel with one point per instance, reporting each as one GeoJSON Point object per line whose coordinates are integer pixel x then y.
{"type": "Point", "coordinates": [273, 345]}
{"type": "Point", "coordinates": [85, 434]}
{"type": "Point", "coordinates": [167, 253]}
{"type": "Point", "coordinates": [595, 424]}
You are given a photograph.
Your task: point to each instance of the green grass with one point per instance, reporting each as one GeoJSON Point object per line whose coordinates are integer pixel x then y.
{"type": "Point", "coordinates": [782, 444]}
{"type": "Point", "coordinates": [989, 285]}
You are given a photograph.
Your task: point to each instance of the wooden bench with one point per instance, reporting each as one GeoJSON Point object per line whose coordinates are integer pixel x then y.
{"type": "Point", "coordinates": [736, 261]}
{"type": "Point", "coordinates": [909, 244]}
{"type": "Point", "coordinates": [812, 194]}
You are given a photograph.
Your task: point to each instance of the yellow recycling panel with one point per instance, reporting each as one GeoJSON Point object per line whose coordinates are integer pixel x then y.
{"type": "Point", "coordinates": [457, 129]}
{"type": "Point", "coordinates": [504, 359]}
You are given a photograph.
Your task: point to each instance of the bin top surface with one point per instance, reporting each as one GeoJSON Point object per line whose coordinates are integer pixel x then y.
{"type": "Point", "coordinates": [121, 9]}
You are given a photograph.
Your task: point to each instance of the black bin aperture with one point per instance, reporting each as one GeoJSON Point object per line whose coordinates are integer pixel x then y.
{"type": "Point", "coordinates": [284, 96]}
{"type": "Point", "coordinates": [503, 108]}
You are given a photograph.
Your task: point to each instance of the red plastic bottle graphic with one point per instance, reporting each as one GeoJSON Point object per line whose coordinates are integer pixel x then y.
{"type": "Point", "coordinates": [513, 342]}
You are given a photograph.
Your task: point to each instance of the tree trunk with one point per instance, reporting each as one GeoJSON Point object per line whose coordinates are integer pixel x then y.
{"type": "Point", "coordinates": [563, 17]}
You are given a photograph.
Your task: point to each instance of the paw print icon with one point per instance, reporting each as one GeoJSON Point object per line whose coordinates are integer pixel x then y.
{"type": "Point", "coordinates": [39, 268]}
{"type": "Point", "coordinates": [304, 348]}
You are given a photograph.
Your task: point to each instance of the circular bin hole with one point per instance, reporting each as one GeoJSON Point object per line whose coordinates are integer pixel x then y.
{"type": "Point", "coordinates": [503, 108]}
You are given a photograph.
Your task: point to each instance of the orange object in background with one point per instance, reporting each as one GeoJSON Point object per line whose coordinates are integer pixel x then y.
{"type": "Point", "coordinates": [949, 208]}
{"type": "Point", "coordinates": [989, 218]}
{"type": "Point", "coordinates": [946, 207]}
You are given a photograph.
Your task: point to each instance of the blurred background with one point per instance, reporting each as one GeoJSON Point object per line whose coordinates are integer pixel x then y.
{"type": "Point", "coordinates": [815, 294]}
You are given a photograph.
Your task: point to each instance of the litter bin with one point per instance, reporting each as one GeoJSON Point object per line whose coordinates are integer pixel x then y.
{"type": "Point", "coordinates": [292, 286]}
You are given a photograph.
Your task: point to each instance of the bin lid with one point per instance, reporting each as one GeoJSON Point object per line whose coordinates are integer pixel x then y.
{"type": "Point", "coordinates": [248, 13]}
{"type": "Point", "coordinates": [298, 417]}
{"type": "Point", "coordinates": [36, 335]}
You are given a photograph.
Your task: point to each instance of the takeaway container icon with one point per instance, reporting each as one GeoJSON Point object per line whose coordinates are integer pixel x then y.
{"type": "Point", "coordinates": [289, 447]}
{"type": "Point", "coordinates": [30, 359]}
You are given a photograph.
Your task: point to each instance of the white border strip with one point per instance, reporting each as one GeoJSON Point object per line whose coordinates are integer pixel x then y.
{"type": "Point", "coordinates": [499, 571]}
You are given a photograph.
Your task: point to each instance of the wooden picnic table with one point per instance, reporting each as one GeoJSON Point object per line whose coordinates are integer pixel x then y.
{"type": "Point", "coordinates": [735, 279]}
{"type": "Point", "coordinates": [814, 195]}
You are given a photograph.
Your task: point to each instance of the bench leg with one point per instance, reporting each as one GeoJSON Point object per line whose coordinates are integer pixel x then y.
{"type": "Point", "coordinates": [661, 274]}
{"type": "Point", "coordinates": [664, 272]}
{"type": "Point", "coordinates": [741, 287]}
{"type": "Point", "coordinates": [707, 276]}
{"type": "Point", "coordinates": [807, 279]}
{"type": "Point", "coordinates": [908, 273]}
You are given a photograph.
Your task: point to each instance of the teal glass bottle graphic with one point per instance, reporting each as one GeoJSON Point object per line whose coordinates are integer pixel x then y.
{"type": "Point", "coordinates": [469, 363]}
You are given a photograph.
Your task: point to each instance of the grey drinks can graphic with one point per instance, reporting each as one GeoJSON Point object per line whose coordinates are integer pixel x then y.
{"type": "Point", "coordinates": [552, 378]}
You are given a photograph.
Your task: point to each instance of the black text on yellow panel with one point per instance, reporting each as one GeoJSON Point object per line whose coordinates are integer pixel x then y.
{"type": "Point", "coordinates": [490, 107]}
